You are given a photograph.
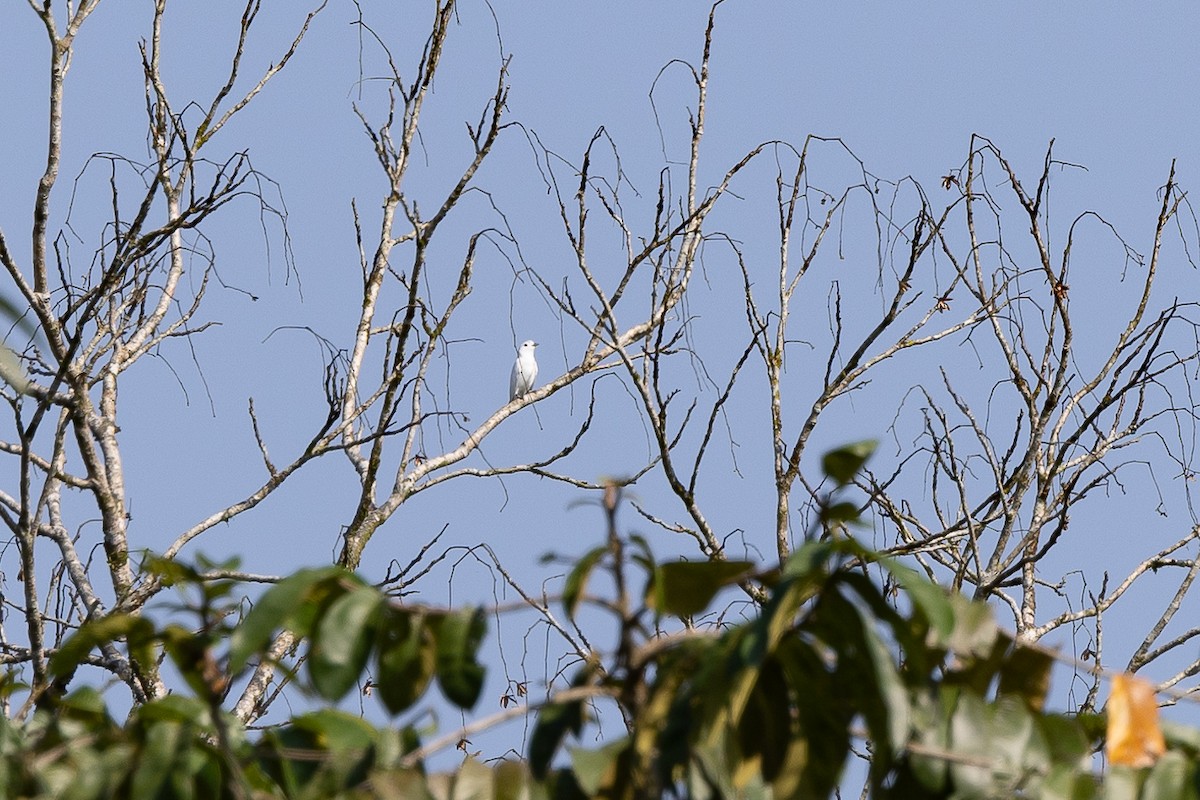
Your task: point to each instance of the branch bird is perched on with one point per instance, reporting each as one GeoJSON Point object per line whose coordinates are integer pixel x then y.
{"type": "Point", "coordinates": [524, 371]}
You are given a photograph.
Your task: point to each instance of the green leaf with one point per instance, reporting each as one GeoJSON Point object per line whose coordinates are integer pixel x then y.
{"type": "Point", "coordinates": [686, 679]}
{"type": "Point", "coordinates": [554, 721]}
{"type": "Point", "coordinates": [975, 631]}
{"type": "Point", "coordinates": [931, 729]}
{"type": "Point", "coordinates": [1026, 674]}
{"type": "Point", "coordinates": [473, 780]}
{"type": "Point", "coordinates": [192, 656]}
{"type": "Point", "coordinates": [336, 730]}
{"type": "Point", "coordinates": [342, 641]}
{"type": "Point", "coordinates": [1172, 776]}
{"type": "Point", "coordinates": [970, 742]}
{"type": "Point", "coordinates": [840, 512]}
{"type": "Point", "coordinates": [11, 370]}
{"type": "Point", "coordinates": [85, 702]}
{"type": "Point", "coordinates": [765, 729]}
{"type": "Point", "coordinates": [512, 781]}
{"type": "Point", "coordinates": [1066, 738]}
{"type": "Point", "coordinates": [459, 634]}
{"type": "Point", "coordinates": [685, 588]}
{"type": "Point", "coordinates": [175, 708]}
{"type": "Point", "coordinates": [641, 545]}
{"type": "Point", "coordinates": [1067, 782]}
{"type": "Point", "coordinates": [156, 760]}
{"type": "Point", "coordinates": [845, 462]}
{"type": "Point", "coordinates": [817, 754]}
{"type": "Point", "coordinates": [407, 656]}
{"type": "Point", "coordinates": [169, 570]}
{"type": "Point", "coordinates": [274, 610]}
{"type": "Point", "coordinates": [1017, 744]}
{"type": "Point", "coordinates": [866, 675]}
{"type": "Point", "coordinates": [1124, 783]}
{"type": "Point", "coordinates": [96, 632]}
{"type": "Point", "coordinates": [910, 634]}
{"type": "Point", "coordinates": [927, 597]}
{"type": "Point", "coordinates": [810, 561]}
{"type": "Point", "coordinates": [1180, 736]}
{"type": "Point", "coordinates": [577, 579]}
{"type": "Point", "coordinates": [345, 745]}
{"type": "Point", "coordinates": [595, 769]}
{"type": "Point", "coordinates": [891, 692]}
{"type": "Point", "coordinates": [996, 747]}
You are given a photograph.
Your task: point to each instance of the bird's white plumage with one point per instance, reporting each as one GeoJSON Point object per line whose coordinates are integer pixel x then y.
{"type": "Point", "coordinates": [524, 371]}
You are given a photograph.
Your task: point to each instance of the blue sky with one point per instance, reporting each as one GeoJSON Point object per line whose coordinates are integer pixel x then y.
{"type": "Point", "coordinates": [904, 86]}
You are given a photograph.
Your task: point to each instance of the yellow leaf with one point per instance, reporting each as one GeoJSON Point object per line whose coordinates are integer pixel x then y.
{"type": "Point", "coordinates": [1134, 737]}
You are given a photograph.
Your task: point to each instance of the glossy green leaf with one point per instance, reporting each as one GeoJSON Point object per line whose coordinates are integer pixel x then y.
{"type": "Point", "coordinates": [169, 570]}
{"type": "Point", "coordinates": [342, 642]}
{"type": "Point", "coordinates": [156, 761]}
{"type": "Point", "coordinates": [970, 741]}
{"type": "Point", "coordinates": [685, 588]}
{"type": "Point", "coordinates": [1179, 736]}
{"type": "Point", "coordinates": [1173, 777]}
{"type": "Point", "coordinates": [765, 728]}
{"type": "Point", "coordinates": [812, 560]}
{"type": "Point", "coordinates": [337, 730]}
{"type": "Point", "coordinates": [891, 691]}
{"type": "Point", "coordinates": [407, 655]}
{"type": "Point", "coordinates": [931, 730]}
{"type": "Point", "coordinates": [460, 676]}
{"type": "Point", "coordinates": [1124, 783]}
{"type": "Point", "coordinates": [96, 632]}
{"type": "Point", "coordinates": [1065, 737]}
{"type": "Point", "coordinates": [595, 769]}
{"type": "Point", "coordinates": [840, 513]}
{"type": "Point", "coordinates": [975, 631]}
{"type": "Point", "coordinates": [175, 708]}
{"type": "Point", "coordinates": [320, 754]}
{"type": "Point", "coordinates": [1016, 743]}
{"type": "Point", "coordinates": [472, 780]}
{"type": "Point", "coordinates": [845, 462]}
{"type": "Point", "coordinates": [1067, 782]}
{"type": "Point", "coordinates": [512, 781]}
{"type": "Point", "coordinates": [194, 660]}
{"type": "Point", "coordinates": [85, 703]}
{"type": "Point", "coordinates": [274, 610]}
{"type": "Point", "coordinates": [1026, 674]}
{"type": "Point", "coordinates": [822, 744]}
{"type": "Point", "coordinates": [554, 722]}
{"type": "Point", "coordinates": [928, 598]}
{"type": "Point", "coordinates": [577, 579]}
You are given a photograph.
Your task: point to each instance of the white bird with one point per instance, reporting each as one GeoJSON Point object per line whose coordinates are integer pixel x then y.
{"type": "Point", "coordinates": [524, 371]}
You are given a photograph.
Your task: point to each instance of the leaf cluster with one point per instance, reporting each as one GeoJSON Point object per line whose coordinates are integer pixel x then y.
{"type": "Point", "coordinates": [851, 653]}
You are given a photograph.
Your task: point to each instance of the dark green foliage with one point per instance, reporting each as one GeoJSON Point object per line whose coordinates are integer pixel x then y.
{"type": "Point", "coordinates": [946, 703]}
{"type": "Point", "coordinates": [459, 634]}
{"type": "Point", "coordinates": [407, 657]}
{"type": "Point", "coordinates": [686, 588]}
